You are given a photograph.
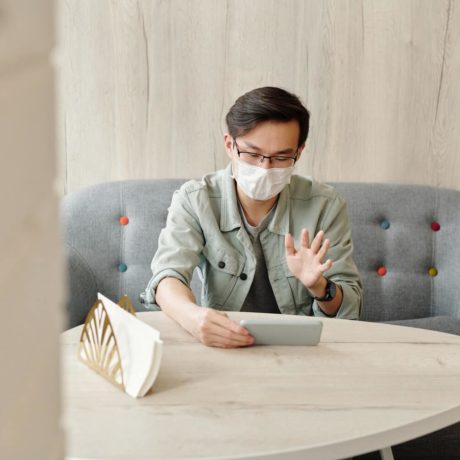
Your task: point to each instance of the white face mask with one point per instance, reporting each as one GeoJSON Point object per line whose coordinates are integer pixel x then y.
{"type": "Point", "coordinates": [259, 183]}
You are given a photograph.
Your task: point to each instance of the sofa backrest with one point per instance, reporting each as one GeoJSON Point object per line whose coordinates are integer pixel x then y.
{"type": "Point", "coordinates": [391, 228]}
{"type": "Point", "coordinates": [104, 255]}
{"type": "Point", "coordinates": [412, 231]}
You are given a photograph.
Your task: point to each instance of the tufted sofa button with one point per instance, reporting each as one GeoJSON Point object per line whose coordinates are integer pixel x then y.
{"type": "Point", "coordinates": [381, 271]}
{"type": "Point", "coordinates": [385, 224]}
{"type": "Point", "coordinates": [243, 276]}
{"type": "Point", "coordinates": [435, 226]}
{"type": "Point", "coordinates": [123, 220]}
{"type": "Point", "coordinates": [221, 264]}
{"type": "Point", "coordinates": [432, 271]}
{"type": "Point", "coordinates": [122, 267]}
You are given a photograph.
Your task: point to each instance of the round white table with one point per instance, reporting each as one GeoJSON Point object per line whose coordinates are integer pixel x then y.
{"type": "Point", "coordinates": [365, 387]}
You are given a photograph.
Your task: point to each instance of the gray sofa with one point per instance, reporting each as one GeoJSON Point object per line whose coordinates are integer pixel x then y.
{"type": "Point", "coordinates": [399, 231]}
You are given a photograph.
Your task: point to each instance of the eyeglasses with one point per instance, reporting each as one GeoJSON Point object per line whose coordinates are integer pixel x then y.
{"type": "Point", "coordinates": [277, 161]}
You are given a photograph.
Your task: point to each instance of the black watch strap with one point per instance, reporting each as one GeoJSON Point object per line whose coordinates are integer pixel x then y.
{"type": "Point", "coordinates": [331, 291]}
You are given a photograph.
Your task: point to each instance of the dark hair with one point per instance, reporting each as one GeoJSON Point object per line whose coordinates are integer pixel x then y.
{"type": "Point", "coordinates": [264, 104]}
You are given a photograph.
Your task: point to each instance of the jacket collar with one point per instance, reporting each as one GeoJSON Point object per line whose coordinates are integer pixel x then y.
{"type": "Point", "coordinates": [230, 216]}
{"type": "Point", "coordinates": [280, 222]}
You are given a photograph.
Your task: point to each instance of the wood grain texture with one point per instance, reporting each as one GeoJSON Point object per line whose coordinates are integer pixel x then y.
{"type": "Point", "coordinates": [145, 85]}
{"type": "Point", "coordinates": [364, 387]}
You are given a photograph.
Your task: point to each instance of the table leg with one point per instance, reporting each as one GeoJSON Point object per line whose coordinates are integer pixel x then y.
{"type": "Point", "coordinates": [386, 454]}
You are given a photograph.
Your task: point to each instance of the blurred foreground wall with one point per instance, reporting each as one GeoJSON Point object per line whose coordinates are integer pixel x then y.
{"type": "Point", "coordinates": [31, 282]}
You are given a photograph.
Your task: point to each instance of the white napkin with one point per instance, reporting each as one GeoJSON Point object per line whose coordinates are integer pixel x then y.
{"type": "Point", "coordinates": [139, 346]}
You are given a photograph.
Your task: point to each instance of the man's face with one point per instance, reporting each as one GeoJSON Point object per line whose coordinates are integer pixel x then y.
{"type": "Point", "coordinates": [269, 138]}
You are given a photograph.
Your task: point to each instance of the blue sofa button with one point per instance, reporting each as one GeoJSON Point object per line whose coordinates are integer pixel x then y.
{"type": "Point", "coordinates": [385, 224]}
{"type": "Point", "coordinates": [122, 267]}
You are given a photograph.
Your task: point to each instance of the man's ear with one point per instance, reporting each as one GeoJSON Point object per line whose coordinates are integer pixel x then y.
{"type": "Point", "coordinates": [228, 144]}
{"type": "Point", "coordinates": [299, 151]}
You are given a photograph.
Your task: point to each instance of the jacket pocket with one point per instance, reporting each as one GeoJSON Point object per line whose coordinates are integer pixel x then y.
{"type": "Point", "coordinates": [221, 275]}
{"type": "Point", "coordinates": [292, 293]}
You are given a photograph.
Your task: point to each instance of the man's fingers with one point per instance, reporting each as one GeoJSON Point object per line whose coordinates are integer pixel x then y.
{"type": "Point", "coordinates": [222, 320]}
{"type": "Point", "coordinates": [289, 245]}
{"type": "Point", "coordinates": [326, 266]}
{"type": "Point", "coordinates": [217, 329]}
{"type": "Point", "coordinates": [316, 243]}
{"type": "Point", "coordinates": [222, 341]}
{"type": "Point", "coordinates": [228, 335]}
{"type": "Point", "coordinates": [323, 250]}
{"type": "Point", "coordinates": [305, 238]}
{"type": "Point", "coordinates": [216, 335]}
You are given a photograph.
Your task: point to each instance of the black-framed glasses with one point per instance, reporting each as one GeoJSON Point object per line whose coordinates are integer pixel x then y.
{"type": "Point", "coordinates": [277, 161]}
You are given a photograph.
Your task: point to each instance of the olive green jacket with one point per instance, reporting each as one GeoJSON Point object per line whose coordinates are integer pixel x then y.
{"type": "Point", "coordinates": [204, 230]}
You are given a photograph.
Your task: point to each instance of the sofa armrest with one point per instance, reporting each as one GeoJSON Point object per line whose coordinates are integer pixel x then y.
{"type": "Point", "coordinates": [82, 287]}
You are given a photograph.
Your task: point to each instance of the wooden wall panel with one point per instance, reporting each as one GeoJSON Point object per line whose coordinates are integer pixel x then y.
{"type": "Point", "coordinates": [145, 85]}
{"type": "Point", "coordinates": [445, 133]}
{"type": "Point", "coordinates": [383, 63]}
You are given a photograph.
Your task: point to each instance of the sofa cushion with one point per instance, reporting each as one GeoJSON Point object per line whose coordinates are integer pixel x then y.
{"type": "Point", "coordinates": [436, 323]}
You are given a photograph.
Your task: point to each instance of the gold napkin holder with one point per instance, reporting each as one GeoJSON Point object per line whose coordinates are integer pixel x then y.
{"type": "Point", "coordinates": [98, 345]}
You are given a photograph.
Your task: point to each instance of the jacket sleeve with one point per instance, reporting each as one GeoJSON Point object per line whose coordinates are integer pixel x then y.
{"type": "Point", "coordinates": [343, 271]}
{"type": "Point", "coordinates": [179, 246]}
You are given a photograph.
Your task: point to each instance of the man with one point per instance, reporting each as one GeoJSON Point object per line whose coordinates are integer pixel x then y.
{"type": "Point", "coordinates": [238, 226]}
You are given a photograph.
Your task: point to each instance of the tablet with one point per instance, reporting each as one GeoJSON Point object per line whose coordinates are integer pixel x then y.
{"type": "Point", "coordinates": [284, 332]}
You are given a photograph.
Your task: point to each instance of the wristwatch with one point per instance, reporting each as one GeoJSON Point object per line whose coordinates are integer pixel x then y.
{"type": "Point", "coordinates": [331, 291]}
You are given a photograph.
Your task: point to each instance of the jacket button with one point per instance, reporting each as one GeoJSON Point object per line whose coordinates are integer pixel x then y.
{"type": "Point", "coordinates": [221, 264]}
{"type": "Point", "coordinates": [243, 276]}
{"type": "Point", "coordinates": [123, 220]}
